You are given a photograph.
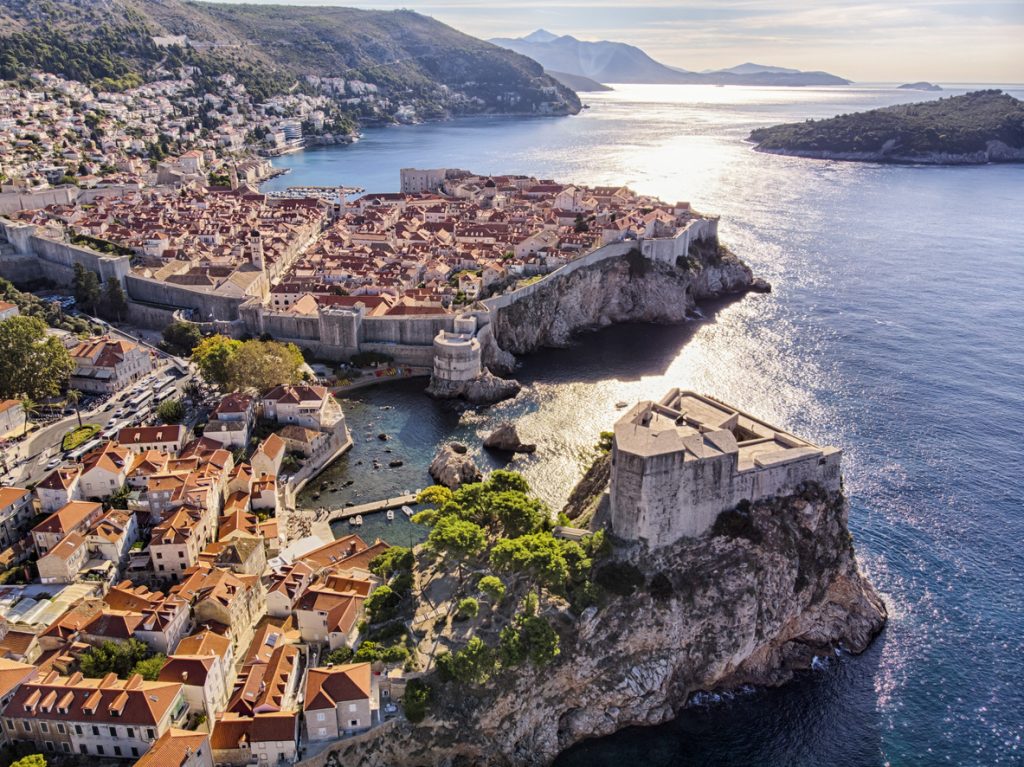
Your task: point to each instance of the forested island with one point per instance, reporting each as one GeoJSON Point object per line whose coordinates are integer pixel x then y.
{"type": "Point", "coordinates": [975, 128]}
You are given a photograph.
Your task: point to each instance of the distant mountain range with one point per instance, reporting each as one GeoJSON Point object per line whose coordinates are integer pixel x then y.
{"type": "Point", "coordinates": [612, 62]}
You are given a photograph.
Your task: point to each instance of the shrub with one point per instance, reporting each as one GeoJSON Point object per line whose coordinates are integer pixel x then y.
{"type": "Point", "coordinates": [468, 608]}
{"type": "Point", "coordinates": [620, 578]}
{"type": "Point", "coordinates": [382, 604]}
{"type": "Point", "coordinates": [171, 411]}
{"type": "Point", "coordinates": [338, 656]}
{"type": "Point", "coordinates": [417, 696]}
{"type": "Point", "coordinates": [79, 436]}
{"type": "Point", "coordinates": [737, 523]}
{"type": "Point", "coordinates": [492, 587]}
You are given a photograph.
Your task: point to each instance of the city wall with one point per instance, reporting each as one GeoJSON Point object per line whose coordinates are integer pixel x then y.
{"type": "Point", "coordinates": [670, 497]}
{"type": "Point", "coordinates": [55, 260]}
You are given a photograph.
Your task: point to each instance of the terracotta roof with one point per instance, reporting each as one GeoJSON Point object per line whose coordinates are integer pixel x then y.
{"type": "Point", "coordinates": [106, 701]}
{"type": "Point", "coordinates": [204, 643]}
{"type": "Point", "coordinates": [16, 643]}
{"type": "Point", "coordinates": [191, 670]}
{"type": "Point", "coordinates": [295, 395]}
{"type": "Point", "coordinates": [11, 495]}
{"type": "Point", "coordinates": [174, 748]}
{"type": "Point", "coordinates": [134, 435]}
{"type": "Point", "coordinates": [272, 446]}
{"type": "Point", "coordinates": [327, 687]}
{"type": "Point", "coordinates": [68, 517]}
{"type": "Point", "coordinates": [114, 624]}
{"type": "Point", "coordinates": [231, 730]}
{"type": "Point", "coordinates": [61, 478]}
{"type": "Point", "coordinates": [12, 674]}
{"type": "Point", "coordinates": [334, 552]}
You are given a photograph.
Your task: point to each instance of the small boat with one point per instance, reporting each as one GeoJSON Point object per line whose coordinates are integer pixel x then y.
{"type": "Point", "coordinates": [390, 515]}
{"type": "Point", "coordinates": [358, 521]}
{"type": "Point", "coordinates": [407, 511]}
{"type": "Point", "coordinates": [621, 404]}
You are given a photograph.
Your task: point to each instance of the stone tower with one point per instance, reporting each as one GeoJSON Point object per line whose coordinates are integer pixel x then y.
{"type": "Point", "coordinates": [256, 250]}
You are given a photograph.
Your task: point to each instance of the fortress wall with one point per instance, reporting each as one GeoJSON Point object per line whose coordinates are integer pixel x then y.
{"type": "Point", "coordinates": [614, 250]}
{"type": "Point", "coordinates": [12, 202]}
{"type": "Point", "coordinates": [205, 302]}
{"type": "Point", "coordinates": [662, 498]}
{"type": "Point", "coordinates": [402, 354]}
{"type": "Point", "coordinates": [67, 255]}
{"type": "Point", "coordinates": [419, 330]}
{"type": "Point", "coordinates": [153, 317]}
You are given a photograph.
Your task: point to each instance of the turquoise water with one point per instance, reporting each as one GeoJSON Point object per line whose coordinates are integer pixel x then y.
{"type": "Point", "coordinates": [895, 331]}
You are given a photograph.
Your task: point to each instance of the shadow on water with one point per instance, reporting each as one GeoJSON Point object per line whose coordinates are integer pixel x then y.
{"type": "Point", "coordinates": [835, 703]}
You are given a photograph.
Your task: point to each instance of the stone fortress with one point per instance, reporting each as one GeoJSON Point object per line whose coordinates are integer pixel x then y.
{"type": "Point", "coordinates": [678, 463]}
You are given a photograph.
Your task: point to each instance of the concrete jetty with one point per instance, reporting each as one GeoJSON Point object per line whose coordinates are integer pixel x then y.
{"type": "Point", "coordinates": [369, 508]}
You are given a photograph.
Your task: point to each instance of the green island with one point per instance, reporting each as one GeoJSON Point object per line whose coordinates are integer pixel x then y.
{"type": "Point", "coordinates": [975, 128]}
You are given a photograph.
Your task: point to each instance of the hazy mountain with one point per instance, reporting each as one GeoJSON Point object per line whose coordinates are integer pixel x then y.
{"type": "Point", "coordinates": [411, 58]}
{"type": "Point", "coordinates": [611, 62]}
{"type": "Point", "coordinates": [578, 83]}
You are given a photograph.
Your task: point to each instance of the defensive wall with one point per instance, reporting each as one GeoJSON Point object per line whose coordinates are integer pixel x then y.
{"type": "Point", "coordinates": [678, 463]}
{"type": "Point", "coordinates": [36, 255]}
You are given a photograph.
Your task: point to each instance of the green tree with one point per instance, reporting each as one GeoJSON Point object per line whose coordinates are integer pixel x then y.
{"type": "Point", "coordinates": [392, 560]}
{"type": "Point", "coordinates": [518, 513]}
{"type": "Point", "coordinates": [32, 363]}
{"type": "Point", "coordinates": [115, 302]}
{"type": "Point", "coordinates": [338, 656]}
{"type": "Point", "coordinates": [473, 664]}
{"type": "Point", "coordinates": [501, 480]}
{"type": "Point", "coordinates": [181, 338]}
{"type": "Point", "coordinates": [415, 700]}
{"type": "Point", "coordinates": [150, 667]}
{"type": "Point", "coordinates": [529, 637]}
{"type": "Point", "coordinates": [467, 608]}
{"type": "Point", "coordinates": [262, 365]}
{"type": "Point", "coordinates": [382, 604]}
{"type": "Point", "coordinates": [32, 760]}
{"type": "Point", "coordinates": [435, 495]}
{"type": "Point", "coordinates": [86, 286]}
{"type": "Point", "coordinates": [121, 658]}
{"type": "Point", "coordinates": [212, 355]}
{"type": "Point", "coordinates": [457, 539]}
{"type": "Point", "coordinates": [171, 411]}
{"type": "Point", "coordinates": [492, 587]}
{"type": "Point", "coordinates": [29, 407]}
{"type": "Point", "coordinates": [548, 561]}
{"type": "Point", "coordinates": [74, 397]}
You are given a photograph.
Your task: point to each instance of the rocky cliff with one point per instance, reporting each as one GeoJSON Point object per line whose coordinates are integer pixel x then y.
{"type": "Point", "coordinates": [771, 587]}
{"type": "Point", "coordinates": [627, 289]}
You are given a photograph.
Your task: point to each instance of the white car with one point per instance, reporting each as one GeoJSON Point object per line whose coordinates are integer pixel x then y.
{"type": "Point", "coordinates": [53, 463]}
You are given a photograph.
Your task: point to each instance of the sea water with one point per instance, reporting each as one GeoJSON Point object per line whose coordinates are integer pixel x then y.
{"type": "Point", "coordinates": [895, 330]}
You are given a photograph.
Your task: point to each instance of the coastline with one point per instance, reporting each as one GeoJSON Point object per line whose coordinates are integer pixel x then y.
{"type": "Point", "coordinates": [999, 157]}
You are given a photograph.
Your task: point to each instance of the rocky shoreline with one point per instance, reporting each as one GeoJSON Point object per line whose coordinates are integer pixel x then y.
{"type": "Point", "coordinates": [755, 600]}
{"type": "Point", "coordinates": [996, 152]}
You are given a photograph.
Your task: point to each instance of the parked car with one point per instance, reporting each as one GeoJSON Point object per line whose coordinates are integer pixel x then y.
{"type": "Point", "coordinates": [53, 463]}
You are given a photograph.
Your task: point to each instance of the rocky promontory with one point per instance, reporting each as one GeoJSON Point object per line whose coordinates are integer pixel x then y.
{"type": "Point", "coordinates": [484, 389]}
{"type": "Point", "coordinates": [627, 289]}
{"type": "Point", "coordinates": [453, 466]}
{"type": "Point", "coordinates": [972, 129]}
{"type": "Point", "coordinates": [771, 587]}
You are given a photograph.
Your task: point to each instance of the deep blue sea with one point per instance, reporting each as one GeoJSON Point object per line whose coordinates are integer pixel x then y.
{"type": "Point", "coordinates": [895, 330]}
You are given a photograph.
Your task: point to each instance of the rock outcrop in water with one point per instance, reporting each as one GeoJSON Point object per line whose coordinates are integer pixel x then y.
{"type": "Point", "coordinates": [484, 389]}
{"type": "Point", "coordinates": [757, 598]}
{"type": "Point", "coordinates": [627, 289]}
{"type": "Point", "coordinates": [505, 439]}
{"type": "Point", "coordinates": [453, 466]}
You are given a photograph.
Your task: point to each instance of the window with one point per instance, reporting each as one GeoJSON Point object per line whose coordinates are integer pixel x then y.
{"type": "Point", "coordinates": [66, 747]}
{"type": "Point", "coordinates": [117, 750]}
{"type": "Point", "coordinates": [321, 731]}
{"type": "Point", "coordinates": [320, 717]}
{"type": "Point", "coordinates": [131, 732]}
{"type": "Point", "coordinates": [353, 722]}
{"type": "Point", "coordinates": [60, 728]}
{"type": "Point", "coordinates": [83, 749]}
{"type": "Point", "coordinates": [113, 732]}
{"type": "Point", "coordinates": [159, 555]}
{"type": "Point", "coordinates": [10, 724]}
{"type": "Point", "coordinates": [95, 730]}
{"type": "Point", "coordinates": [149, 733]}
{"type": "Point", "coordinates": [26, 725]}
{"type": "Point", "coordinates": [78, 729]}
{"type": "Point", "coordinates": [49, 745]}
{"type": "Point", "coordinates": [44, 727]}
{"type": "Point", "coordinates": [181, 555]}
{"type": "Point", "coordinates": [99, 750]}
{"type": "Point", "coordinates": [135, 751]}
{"type": "Point", "coordinates": [159, 567]}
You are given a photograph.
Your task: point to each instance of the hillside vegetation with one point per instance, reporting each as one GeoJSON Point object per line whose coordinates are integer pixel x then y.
{"type": "Point", "coordinates": [956, 126]}
{"type": "Point", "coordinates": [271, 49]}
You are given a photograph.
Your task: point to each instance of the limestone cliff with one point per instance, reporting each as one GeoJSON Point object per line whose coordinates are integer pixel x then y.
{"type": "Point", "coordinates": [769, 588]}
{"type": "Point", "coordinates": [627, 289]}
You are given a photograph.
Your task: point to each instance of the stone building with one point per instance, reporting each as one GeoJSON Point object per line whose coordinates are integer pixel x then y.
{"type": "Point", "coordinates": [678, 463]}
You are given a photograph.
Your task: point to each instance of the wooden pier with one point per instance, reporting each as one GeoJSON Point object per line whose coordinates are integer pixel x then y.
{"type": "Point", "coordinates": [370, 508]}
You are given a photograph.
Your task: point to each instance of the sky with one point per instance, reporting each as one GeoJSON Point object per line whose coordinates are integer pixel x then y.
{"type": "Point", "coordinates": [870, 41]}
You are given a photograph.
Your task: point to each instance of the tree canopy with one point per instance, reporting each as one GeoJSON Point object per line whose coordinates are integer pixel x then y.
{"type": "Point", "coordinates": [259, 365]}
{"type": "Point", "coordinates": [32, 363]}
{"type": "Point", "coordinates": [121, 658]}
